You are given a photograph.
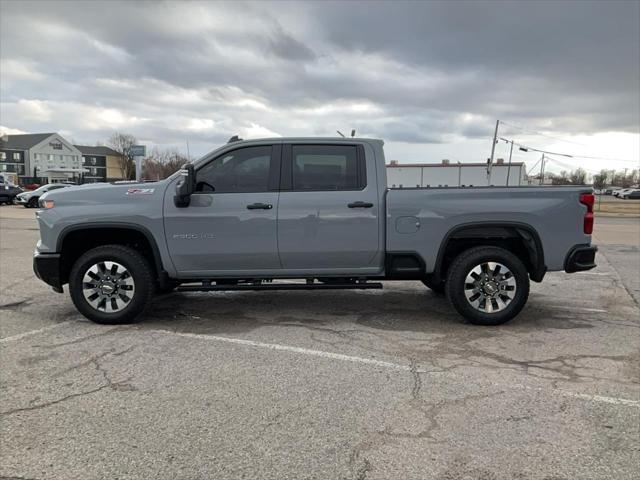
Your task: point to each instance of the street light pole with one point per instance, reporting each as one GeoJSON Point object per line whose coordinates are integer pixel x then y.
{"type": "Point", "coordinates": [459, 174]}
{"type": "Point", "coordinates": [542, 170]}
{"type": "Point", "coordinates": [493, 149]}
{"type": "Point", "coordinates": [509, 167]}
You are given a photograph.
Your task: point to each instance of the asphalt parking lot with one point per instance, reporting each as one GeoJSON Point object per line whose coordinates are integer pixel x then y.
{"type": "Point", "coordinates": [387, 384]}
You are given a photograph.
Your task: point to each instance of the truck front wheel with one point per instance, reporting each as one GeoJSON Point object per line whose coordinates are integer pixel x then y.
{"type": "Point", "coordinates": [111, 284]}
{"type": "Point", "coordinates": [487, 285]}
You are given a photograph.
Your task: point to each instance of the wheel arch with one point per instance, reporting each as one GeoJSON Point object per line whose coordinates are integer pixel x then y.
{"type": "Point", "coordinates": [503, 234]}
{"type": "Point", "coordinates": [115, 233]}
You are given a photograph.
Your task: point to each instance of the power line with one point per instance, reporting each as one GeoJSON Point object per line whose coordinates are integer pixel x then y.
{"type": "Point", "coordinates": [569, 155]}
{"type": "Point", "coordinates": [566, 165]}
{"type": "Point", "coordinates": [526, 149]}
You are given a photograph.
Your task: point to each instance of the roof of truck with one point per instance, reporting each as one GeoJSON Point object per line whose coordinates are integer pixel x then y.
{"type": "Point", "coordinates": [308, 139]}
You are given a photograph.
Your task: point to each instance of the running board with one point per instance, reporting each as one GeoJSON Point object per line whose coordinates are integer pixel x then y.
{"type": "Point", "coordinates": [279, 286]}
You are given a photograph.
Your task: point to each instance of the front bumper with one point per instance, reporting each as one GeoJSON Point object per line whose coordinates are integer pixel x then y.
{"type": "Point", "coordinates": [46, 266]}
{"type": "Point", "coordinates": [20, 200]}
{"type": "Point", "coordinates": [580, 258]}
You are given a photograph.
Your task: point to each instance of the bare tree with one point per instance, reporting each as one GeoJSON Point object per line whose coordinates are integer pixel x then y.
{"type": "Point", "coordinates": [578, 177]}
{"type": "Point", "coordinates": [600, 180]}
{"type": "Point", "coordinates": [162, 163]}
{"type": "Point", "coordinates": [562, 179]}
{"type": "Point", "coordinates": [122, 143]}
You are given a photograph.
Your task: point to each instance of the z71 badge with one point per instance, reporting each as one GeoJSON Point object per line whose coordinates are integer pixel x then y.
{"type": "Point", "coordinates": [140, 191]}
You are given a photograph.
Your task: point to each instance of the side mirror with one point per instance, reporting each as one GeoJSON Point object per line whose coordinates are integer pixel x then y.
{"type": "Point", "coordinates": [186, 186]}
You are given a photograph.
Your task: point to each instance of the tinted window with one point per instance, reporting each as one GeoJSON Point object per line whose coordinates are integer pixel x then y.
{"type": "Point", "coordinates": [242, 170]}
{"type": "Point", "coordinates": [325, 167]}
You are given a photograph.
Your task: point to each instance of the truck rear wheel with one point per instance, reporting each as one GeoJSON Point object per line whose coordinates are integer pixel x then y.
{"type": "Point", "coordinates": [487, 285]}
{"type": "Point", "coordinates": [111, 284]}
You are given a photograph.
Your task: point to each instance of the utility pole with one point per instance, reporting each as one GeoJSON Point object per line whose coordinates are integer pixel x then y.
{"type": "Point", "coordinates": [542, 170]}
{"type": "Point", "coordinates": [493, 149]}
{"type": "Point", "coordinates": [509, 167]}
{"type": "Point", "coordinates": [459, 174]}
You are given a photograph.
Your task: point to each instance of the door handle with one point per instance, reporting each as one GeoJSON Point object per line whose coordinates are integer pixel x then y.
{"type": "Point", "coordinates": [360, 205]}
{"type": "Point", "coordinates": [260, 206]}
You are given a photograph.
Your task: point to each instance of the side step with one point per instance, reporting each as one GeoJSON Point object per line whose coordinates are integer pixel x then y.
{"type": "Point", "coordinates": [279, 286]}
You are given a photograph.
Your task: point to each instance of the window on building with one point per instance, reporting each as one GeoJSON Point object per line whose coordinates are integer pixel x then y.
{"type": "Point", "coordinates": [242, 170]}
{"type": "Point", "coordinates": [326, 167]}
{"type": "Point", "coordinates": [50, 157]}
{"type": "Point", "coordinates": [3, 155]}
{"type": "Point", "coordinates": [16, 155]}
{"type": "Point", "coordinates": [93, 160]}
{"type": "Point", "coordinates": [20, 169]}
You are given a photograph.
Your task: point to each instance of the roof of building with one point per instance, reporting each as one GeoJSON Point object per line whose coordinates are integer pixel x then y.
{"type": "Point", "coordinates": [25, 141]}
{"type": "Point", "coordinates": [98, 150]}
{"type": "Point", "coordinates": [475, 164]}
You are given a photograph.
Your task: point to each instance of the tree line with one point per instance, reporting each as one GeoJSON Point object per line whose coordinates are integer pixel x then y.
{"type": "Point", "coordinates": [615, 178]}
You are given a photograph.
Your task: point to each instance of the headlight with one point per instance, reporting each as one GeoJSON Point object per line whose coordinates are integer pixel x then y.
{"type": "Point", "coordinates": [47, 204]}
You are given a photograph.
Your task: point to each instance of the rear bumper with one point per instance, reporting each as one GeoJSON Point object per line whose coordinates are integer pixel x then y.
{"type": "Point", "coordinates": [46, 266]}
{"type": "Point", "coordinates": [580, 258]}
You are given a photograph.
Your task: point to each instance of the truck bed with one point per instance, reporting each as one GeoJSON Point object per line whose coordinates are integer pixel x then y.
{"type": "Point", "coordinates": [419, 220]}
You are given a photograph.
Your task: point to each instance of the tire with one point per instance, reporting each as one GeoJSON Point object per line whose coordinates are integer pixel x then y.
{"type": "Point", "coordinates": [100, 261]}
{"type": "Point", "coordinates": [500, 298]}
{"type": "Point", "coordinates": [33, 202]}
{"type": "Point", "coordinates": [437, 287]}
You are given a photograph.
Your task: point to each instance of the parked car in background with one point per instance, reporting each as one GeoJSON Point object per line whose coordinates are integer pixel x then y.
{"type": "Point", "coordinates": [619, 193]}
{"type": "Point", "coordinates": [32, 186]}
{"type": "Point", "coordinates": [30, 199]}
{"type": "Point", "coordinates": [8, 193]}
{"type": "Point", "coordinates": [632, 193]}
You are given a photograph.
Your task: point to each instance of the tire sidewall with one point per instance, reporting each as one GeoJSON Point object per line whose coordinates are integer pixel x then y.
{"type": "Point", "coordinates": [461, 267]}
{"type": "Point", "coordinates": [137, 267]}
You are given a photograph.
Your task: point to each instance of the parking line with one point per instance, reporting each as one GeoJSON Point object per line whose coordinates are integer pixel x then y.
{"type": "Point", "coordinates": [390, 365]}
{"type": "Point", "coordinates": [300, 350]}
{"type": "Point", "coordinates": [578, 309]}
{"type": "Point", "coordinates": [20, 336]}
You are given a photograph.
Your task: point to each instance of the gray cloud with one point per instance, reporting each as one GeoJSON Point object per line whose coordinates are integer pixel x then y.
{"type": "Point", "coordinates": [429, 73]}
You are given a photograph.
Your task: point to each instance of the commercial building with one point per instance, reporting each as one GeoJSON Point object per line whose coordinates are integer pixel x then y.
{"type": "Point", "coordinates": [50, 158]}
{"type": "Point", "coordinates": [101, 163]}
{"type": "Point", "coordinates": [447, 174]}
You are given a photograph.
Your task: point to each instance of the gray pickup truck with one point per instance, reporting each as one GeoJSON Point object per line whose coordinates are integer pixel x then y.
{"type": "Point", "coordinates": [306, 213]}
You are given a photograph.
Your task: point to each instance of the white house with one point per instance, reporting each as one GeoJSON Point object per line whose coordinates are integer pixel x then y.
{"type": "Point", "coordinates": [32, 157]}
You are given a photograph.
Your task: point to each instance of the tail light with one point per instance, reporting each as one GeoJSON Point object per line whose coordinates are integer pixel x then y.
{"type": "Point", "coordinates": [588, 199]}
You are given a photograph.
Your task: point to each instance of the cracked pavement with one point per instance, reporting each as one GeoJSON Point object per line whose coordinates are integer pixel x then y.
{"type": "Point", "coordinates": [322, 385]}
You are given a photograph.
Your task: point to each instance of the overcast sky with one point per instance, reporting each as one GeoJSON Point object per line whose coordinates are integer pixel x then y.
{"type": "Point", "coordinates": [429, 78]}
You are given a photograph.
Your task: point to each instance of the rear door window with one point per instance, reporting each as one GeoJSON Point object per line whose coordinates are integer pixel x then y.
{"type": "Point", "coordinates": [326, 167]}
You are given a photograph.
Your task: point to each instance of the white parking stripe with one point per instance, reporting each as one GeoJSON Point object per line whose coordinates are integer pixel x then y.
{"type": "Point", "coordinates": [20, 336]}
{"type": "Point", "coordinates": [578, 309]}
{"type": "Point", "coordinates": [303, 351]}
{"type": "Point", "coordinates": [389, 365]}
{"type": "Point", "coordinates": [600, 398]}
